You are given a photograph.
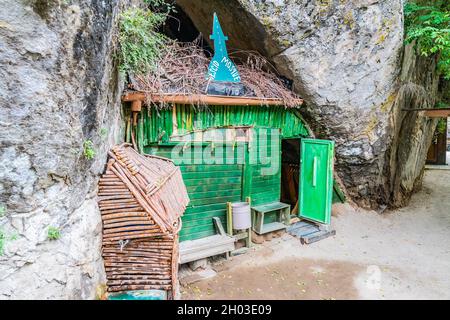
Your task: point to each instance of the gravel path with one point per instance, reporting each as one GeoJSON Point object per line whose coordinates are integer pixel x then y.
{"type": "Point", "coordinates": [403, 254]}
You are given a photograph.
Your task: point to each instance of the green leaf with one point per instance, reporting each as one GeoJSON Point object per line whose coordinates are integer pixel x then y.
{"type": "Point", "coordinates": [428, 26]}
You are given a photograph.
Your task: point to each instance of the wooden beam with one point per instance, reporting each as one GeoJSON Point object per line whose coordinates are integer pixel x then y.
{"type": "Point", "coordinates": [432, 113]}
{"type": "Point", "coordinates": [204, 99]}
{"type": "Point", "coordinates": [443, 113]}
{"type": "Point", "coordinates": [136, 106]}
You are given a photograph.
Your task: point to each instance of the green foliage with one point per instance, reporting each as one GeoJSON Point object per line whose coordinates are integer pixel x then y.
{"type": "Point", "coordinates": [2, 242]}
{"type": "Point", "coordinates": [160, 6]}
{"type": "Point", "coordinates": [103, 133]}
{"type": "Point", "coordinates": [4, 238]}
{"type": "Point", "coordinates": [441, 105]}
{"type": "Point", "coordinates": [53, 233]}
{"type": "Point", "coordinates": [442, 126]}
{"type": "Point", "coordinates": [2, 211]}
{"type": "Point", "coordinates": [88, 150]}
{"type": "Point", "coordinates": [141, 45]}
{"type": "Point", "coordinates": [429, 27]}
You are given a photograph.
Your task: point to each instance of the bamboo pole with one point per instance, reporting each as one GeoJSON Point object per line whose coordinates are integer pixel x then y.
{"type": "Point", "coordinates": [204, 99]}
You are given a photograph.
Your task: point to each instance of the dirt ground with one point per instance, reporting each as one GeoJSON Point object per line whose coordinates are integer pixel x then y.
{"type": "Point", "coordinates": [402, 254]}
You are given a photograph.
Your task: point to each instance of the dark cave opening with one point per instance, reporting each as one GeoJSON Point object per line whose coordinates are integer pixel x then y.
{"type": "Point", "coordinates": [180, 27]}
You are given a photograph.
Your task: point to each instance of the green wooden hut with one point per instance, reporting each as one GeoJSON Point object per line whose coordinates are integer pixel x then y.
{"type": "Point", "coordinates": [237, 136]}
{"type": "Point", "coordinates": [233, 149]}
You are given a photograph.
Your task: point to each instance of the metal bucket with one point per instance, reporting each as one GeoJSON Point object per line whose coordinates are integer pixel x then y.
{"type": "Point", "coordinates": [241, 215]}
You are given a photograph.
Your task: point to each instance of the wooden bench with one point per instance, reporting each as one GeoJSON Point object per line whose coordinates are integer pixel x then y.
{"type": "Point", "coordinates": [282, 210]}
{"type": "Point", "coordinates": [193, 250]}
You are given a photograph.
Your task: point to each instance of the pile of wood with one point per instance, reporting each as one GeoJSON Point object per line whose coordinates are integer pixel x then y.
{"type": "Point", "coordinates": [141, 199]}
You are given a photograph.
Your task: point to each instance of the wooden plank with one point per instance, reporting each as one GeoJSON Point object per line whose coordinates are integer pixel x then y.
{"type": "Point", "coordinates": [432, 112]}
{"type": "Point", "coordinates": [207, 214]}
{"type": "Point", "coordinates": [271, 207]}
{"type": "Point", "coordinates": [204, 99]}
{"type": "Point", "coordinates": [213, 200]}
{"type": "Point", "coordinates": [317, 236]}
{"type": "Point", "coordinates": [188, 159]}
{"type": "Point", "coordinates": [206, 247]}
{"type": "Point", "coordinates": [444, 113]}
{"type": "Point", "coordinates": [229, 215]}
{"type": "Point", "coordinates": [263, 198]}
{"type": "Point", "coordinates": [199, 244]}
{"type": "Point", "coordinates": [203, 221]}
{"type": "Point", "coordinates": [214, 251]}
{"type": "Point", "coordinates": [206, 207]}
{"type": "Point", "coordinates": [195, 236]}
{"type": "Point", "coordinates": [205, 175]}
{"type": "Point", "coordinates": [275, 188]}
{"type": "Point", "coordinates": [305, 231]}
{"type": "Point", "coordinates": [219, 226]}
{"type": "Point", "coordinates": [214, 194]}
{"type": "Point", "coordinates": [210, 168]}
{"type": "Point", "coordinates": [200, 228]}
{"type": "Point", "coordinates": [298, 225]}
{"type": "Point", "coordinates": [205, 188]}
{"type": "Point", "coordinates": [210, 181]}
{"type": "Point", "coordinates": [247, 175]}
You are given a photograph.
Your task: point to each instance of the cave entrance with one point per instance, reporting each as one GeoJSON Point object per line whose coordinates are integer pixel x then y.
{"type": "Point", "coordinates": [180, 27]}
{"type": "Point", "coordinates": [290, 173]}
{"type": "Point", "coordinates": [439, 151]}
{"type": "Point", "coordinates": [307, 178]}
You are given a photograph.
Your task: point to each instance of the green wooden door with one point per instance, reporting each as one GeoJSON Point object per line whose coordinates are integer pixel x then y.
{"type": "Point", "coordinates": [316, 180]}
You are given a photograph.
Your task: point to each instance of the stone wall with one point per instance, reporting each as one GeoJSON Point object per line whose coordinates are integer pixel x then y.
{"type": "Point", "coordinates": [58, 88]}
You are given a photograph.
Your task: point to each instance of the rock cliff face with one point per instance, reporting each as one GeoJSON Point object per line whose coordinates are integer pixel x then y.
{"type": "Point", "coordinates": [411, 133]}
{"type": "Point", "coordinates": [58, 88]}
{"type": "Point", "coordinates": [345, 59]}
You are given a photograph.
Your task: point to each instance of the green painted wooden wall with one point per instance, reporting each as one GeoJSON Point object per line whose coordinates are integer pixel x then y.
{"type": "Point", "coordinates": [211, 186]}
{"type": "Point", "coordinates": [156, 126]}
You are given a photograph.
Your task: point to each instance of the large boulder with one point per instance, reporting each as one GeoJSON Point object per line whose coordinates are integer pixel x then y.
{"type": "Point", "coordinates": [412, 133]}
{"type": "Point", "coordinates": [345, 59]}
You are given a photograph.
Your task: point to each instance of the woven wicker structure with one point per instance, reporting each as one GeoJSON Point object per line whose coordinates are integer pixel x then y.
{"type": "Point", "coordinates": [141, 199]}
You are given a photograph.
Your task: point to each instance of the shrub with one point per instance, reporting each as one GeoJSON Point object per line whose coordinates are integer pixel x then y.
{"type": "Point", "coordinates": [140, 43]}
{"type": "Point", "coordinates": [53, 233]}
{"type": "Point", "coordinates": [4, 238]}
{"type": "Point", "coordinates": [88, 150]}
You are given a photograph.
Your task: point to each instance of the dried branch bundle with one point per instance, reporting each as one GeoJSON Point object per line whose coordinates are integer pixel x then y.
{"type": "Point", "coordinates": [141, 199]}
{"type": "Point", "coordinates": [183, 67]}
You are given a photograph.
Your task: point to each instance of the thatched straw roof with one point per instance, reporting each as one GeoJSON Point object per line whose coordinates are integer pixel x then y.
{"type": "Point", "coordinates": [182, 70]}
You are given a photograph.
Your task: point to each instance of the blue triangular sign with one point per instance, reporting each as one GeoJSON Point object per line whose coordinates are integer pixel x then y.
{"type": "Point", "coordinates": [221, 67]}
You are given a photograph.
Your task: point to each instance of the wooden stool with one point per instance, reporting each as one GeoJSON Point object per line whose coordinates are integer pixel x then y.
{"type": "Point", "coordinates": [282, 210]}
